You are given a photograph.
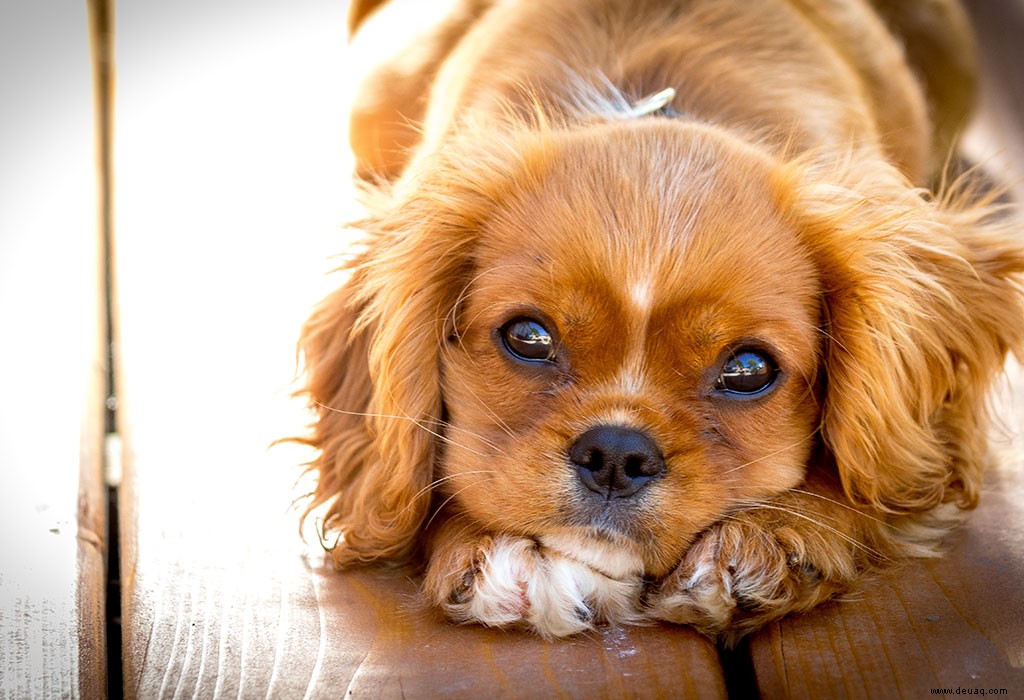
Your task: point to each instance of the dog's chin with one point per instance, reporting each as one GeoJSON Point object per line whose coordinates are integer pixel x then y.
{"type": "Point", "coordinates": [608, 553]}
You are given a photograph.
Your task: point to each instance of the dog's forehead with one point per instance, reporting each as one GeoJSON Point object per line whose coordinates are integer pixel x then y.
{"type": "Point", "coordinates": [651, 217]}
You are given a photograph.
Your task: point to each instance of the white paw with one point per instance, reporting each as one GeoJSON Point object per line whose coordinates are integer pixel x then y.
{"type": "Point", "coordinates": [518, 581]}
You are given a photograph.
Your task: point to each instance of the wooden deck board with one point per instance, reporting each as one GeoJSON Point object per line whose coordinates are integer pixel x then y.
{"type": "Point", "coordinates": [305, 630]}
{"type": "Point", "coordinates": [52, 370]}
{"type": "Point", "coordinates": [948, 623]}
{"type": "Point", "coordinates": [232, 172]}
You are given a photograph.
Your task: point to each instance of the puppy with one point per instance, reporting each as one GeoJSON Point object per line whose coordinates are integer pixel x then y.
{"type": "Point", "coordinates": [655, 317]}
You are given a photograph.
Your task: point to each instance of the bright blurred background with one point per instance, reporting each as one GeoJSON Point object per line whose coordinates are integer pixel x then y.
{"type": "Point", "coordinates": [232, 179]}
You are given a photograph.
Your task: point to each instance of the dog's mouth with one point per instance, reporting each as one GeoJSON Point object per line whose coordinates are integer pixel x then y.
{"type": "Point", "coordinates": [609, 519]}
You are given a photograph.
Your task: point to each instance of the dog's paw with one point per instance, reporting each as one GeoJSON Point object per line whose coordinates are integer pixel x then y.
{"type": "Point", "coordinates": [749, 570]}
{"type": "Point", "coordinates": [505, 580]}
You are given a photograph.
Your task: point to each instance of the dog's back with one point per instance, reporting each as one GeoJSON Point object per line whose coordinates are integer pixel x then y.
{"type": "Point", "coordinates": [912, 62]}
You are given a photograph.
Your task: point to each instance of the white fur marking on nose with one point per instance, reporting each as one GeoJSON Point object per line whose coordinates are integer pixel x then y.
{"type": "Point", "coordinates": [631, 382]}
{"type": "Point", "coordinates": [617, 416]}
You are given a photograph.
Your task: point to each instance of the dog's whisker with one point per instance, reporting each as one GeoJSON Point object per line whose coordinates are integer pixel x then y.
{"type": "Point", "coordinates": [445, 502]}
{"type": "Point", "coordinates": [420, 423]}
{"type": "Point", "coordinates": [437, 482]}
{"type": "Point", "coordinates": [835, 531]}
{"type": "Point", "coordinates": [857, 544]}
{"type": "Point", "coordinates": [847, 506]}
{"type": "Point", "coordinates": [429, 488]}
{"type": "Point", "coordinates": [468, 289]}
{"type": "Point", "coordinates": [776, 453]}
{"type": "Point", "coordinates": [495, 418]}
{"type": "Point", "coordinates": [821, 329]}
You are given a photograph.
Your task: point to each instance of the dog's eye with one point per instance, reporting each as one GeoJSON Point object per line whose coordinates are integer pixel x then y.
{"type": "Point", "coordinates": [747, 372]}
{"type": "Point", "coordinates": [527, 339]}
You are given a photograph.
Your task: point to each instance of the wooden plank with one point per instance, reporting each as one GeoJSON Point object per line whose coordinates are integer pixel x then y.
{"type": "Point", "coordinates": [305, 630]}
{"type": "Point", "coordinates": [233, 174]}
{"type": "Point", "coordinates": [956, 622]}
{"type": "Point", "coordinates": [52, 367]}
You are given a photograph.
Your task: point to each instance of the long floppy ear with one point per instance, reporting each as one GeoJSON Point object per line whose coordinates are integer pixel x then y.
{"type": "Point", "coordinates": [922, 302]}
{"type": "Point", "coordinates": [373, 351]}
{"type": "Point", "coordinates": [339, 389]}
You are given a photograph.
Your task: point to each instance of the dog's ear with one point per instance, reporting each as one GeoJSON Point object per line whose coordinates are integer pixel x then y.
{"type": "Point", "coordinates": [372, 358]}
{"type": "Point", "coordinates": [922, 300]}
{"type": "Point", "coordinates": [372, 353]}
{"type": "Point", "coordinates": [335, 353]}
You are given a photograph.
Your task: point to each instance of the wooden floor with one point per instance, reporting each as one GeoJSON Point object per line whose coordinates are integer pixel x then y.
{"type": "Point", "coordinates": [52, 502]}
{"type": "Point", "coordinates": [232, 178]}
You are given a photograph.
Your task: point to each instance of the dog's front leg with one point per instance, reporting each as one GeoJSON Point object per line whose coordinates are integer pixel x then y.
{"type": "Point", "coordinates": [769, 559]}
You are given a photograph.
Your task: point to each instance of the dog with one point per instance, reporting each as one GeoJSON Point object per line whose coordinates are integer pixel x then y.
{"type": "Point", "coordinates": [665, 310]}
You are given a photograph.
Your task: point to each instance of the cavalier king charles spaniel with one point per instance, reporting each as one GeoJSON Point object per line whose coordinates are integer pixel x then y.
{"type": "Point", "coordinates": [663, 309]}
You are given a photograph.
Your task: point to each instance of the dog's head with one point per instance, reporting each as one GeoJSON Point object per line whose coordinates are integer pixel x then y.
{"type": "Point", "coordinates": [608, 338]}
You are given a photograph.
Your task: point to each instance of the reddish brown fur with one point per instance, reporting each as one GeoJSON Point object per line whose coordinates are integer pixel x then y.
{"type": "Point", "coordinates": [778, 209]}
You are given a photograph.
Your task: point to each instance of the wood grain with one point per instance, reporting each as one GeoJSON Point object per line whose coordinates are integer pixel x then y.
{"type": "Point", "coordinates": [52, 371]}
{"type": "Point", "coordinates": [306, 630]}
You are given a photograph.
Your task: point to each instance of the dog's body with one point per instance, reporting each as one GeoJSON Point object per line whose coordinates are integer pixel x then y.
{"type": "Point", "coordinates": [651, 322]}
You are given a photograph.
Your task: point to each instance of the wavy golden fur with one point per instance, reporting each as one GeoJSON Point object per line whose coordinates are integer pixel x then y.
{"type": "Point", "coordinates": [774, 207]}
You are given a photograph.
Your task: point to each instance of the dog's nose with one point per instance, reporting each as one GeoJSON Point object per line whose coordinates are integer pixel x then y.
{"type": "Point", "coordinates": [616, 462]}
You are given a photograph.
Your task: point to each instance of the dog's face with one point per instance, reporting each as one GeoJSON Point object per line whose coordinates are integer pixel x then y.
{"type": "Point", "coordinates": [607, 338]}
{"type": "Point", "coordinates": [636, 351]}
{"type": "Point", "coordinates": [700, 357]}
